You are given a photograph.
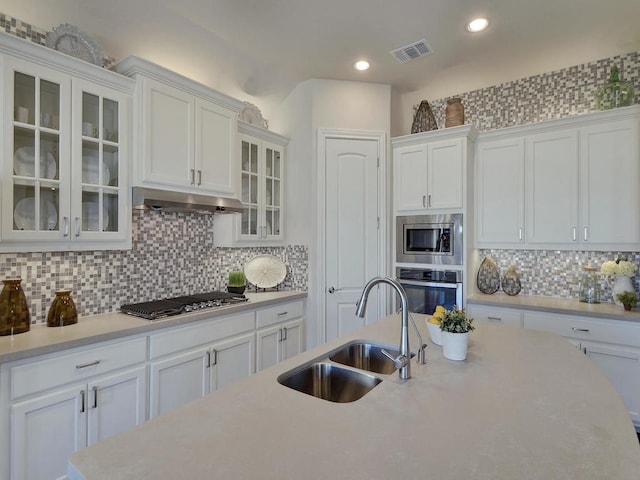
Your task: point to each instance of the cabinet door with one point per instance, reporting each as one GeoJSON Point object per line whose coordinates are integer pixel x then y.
{"type": "Point", "coordinates": [36, 175]}
{"type": "Point", "coordinates": [500, 192]}
{"type": "Point", "coordinates": [232, 360]}
{"type": "Point", "coordinates": [168, 133]}
{"type": "Point", "coordinates": [552, 187]}
{"type": "Point", "coordinates": [268, 347]}
{"type": "Point", "coordinates": [445, 185]}
{"type": "Point", "coordinates": [411, 177]}
{"type": "Point", "coordinates": [273, 191]}
{"type": "Point", "coordinates": [610, 175]}
{"type": "Point", "coordinates": [250, 188]}
{"type": "Point", "coordinates": [45, 431]}
{"type": "Point", "coordinates": [116, 403]}
{"type": "Point", "coordinates": [216, 169]}
{"type": "Point", "coordinates": [292, 338]}
{"type": "Point", "coordinates": [100, 164]}
{"type": "Point", "coordinates": [178, 380]}
{"type": "Point", "coordinates": [621, 365]}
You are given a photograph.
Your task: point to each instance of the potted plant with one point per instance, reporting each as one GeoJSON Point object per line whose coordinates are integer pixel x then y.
{"type": "Point", "coordinates": [628, 299]}
{"type": "Point", "coordinates": [237, 282]}
{"type": "Point", "coordinates": [455, 326]}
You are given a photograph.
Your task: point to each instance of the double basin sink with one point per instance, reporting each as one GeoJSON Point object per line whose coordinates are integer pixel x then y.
{"type": "Point", "coordinates": [323, 379]}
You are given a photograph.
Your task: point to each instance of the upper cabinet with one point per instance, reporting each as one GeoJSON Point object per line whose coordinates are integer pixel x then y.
{"type": "Point", "coordinates": [65, 152]}
{"type": "Point", "coordinates": [429, 170]}
{"type": "Point", "coordinates": [565, 184]}
{"type": "Point", "coordinates": [186, 133]}
{"type": "Point", "coordinates": [261, 159]}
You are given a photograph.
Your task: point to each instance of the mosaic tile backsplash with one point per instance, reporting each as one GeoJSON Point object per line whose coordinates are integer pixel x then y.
{"type": "Point", "coordinates": [172, 254]}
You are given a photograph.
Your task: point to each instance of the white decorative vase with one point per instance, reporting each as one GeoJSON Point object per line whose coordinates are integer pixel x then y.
{"type": "Point", "coordinates": [621, 283]}
{"type": "Point", "coordinates": [454, 345]}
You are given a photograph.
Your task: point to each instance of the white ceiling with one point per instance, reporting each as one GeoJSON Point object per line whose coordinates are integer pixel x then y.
{"type": "Point", "coordinates": [263, 48]}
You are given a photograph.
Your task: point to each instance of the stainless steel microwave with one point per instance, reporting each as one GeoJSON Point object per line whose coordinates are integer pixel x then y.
{"type": "Point", "coordinates": [429, 239]}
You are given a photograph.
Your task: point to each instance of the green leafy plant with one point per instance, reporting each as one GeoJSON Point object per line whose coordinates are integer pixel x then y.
{"type": "Point", "coordinates": [236, 279]}
{"type": "Point", "coordinates": [628, 299]}
{"type": "Point", "coordinates": [456, 321]}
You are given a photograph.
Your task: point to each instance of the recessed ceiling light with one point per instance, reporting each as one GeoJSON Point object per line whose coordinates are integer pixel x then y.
{"type": "Point", "coordinates": [477, 25]}
{"type": "Point", "coordinates": [361, 65]}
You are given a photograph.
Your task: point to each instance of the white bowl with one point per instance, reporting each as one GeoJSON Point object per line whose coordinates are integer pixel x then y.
{"type": "Point", "coordinates": [435, 332]}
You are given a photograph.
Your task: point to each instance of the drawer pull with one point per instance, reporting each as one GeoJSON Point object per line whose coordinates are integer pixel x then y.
{"type": "Point", "coordinates": [582, 330]}
{"type": "Point", "coordinates": [88, 364]}
{"type": "Point", "coordinates": [282, 314]}
{"type": "Point", "coordinates": [497, 319]}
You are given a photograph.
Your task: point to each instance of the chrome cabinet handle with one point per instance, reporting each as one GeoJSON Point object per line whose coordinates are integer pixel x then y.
{"type": "Point", "coordinates": [282, 314]}
{"type": "Point", "coordinates": [574, 234]}
{"type": "Point", "coordinates": [208, 361]}
{"type": "Point", "coordinates": [429, 202]}
{"type": "Point", "coordinates": [581, 330]}
{"type": "Point", "coordinates": [95, 397]}
{"type": "Point", "coordinates": [285, 333]}
{"type": "Point", "coordinates": [520, 233]}
{"type": "Point", "coordinates": [424, 200]}
{"type": "Point", "coordinates": [193, 176]}
{"type": "Point", "coordinates": [199, 177]}
{"type": "Point", "coordinates": [215, 357]}
{"type": "Point", "coordinates": [88, 364]}
{"type": "Point", "coordinates": [586, 233]}
{"type": "Point", "coordinates": [77, 226]}
{"type": "Point", "coordinates": [65, 226]}
{"type": "Point", "coordinates": [82, 400]}
{"type": "Point", "coordinates": [497, 319]}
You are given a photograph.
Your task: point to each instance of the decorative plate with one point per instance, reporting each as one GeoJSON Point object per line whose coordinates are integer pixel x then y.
{"type": "Point", "coordinates": [488, 276]}
{"type": "Point", "coordinates": [91, 219]}
{"type": "Point", "coordinates": [252, 115]}
{"type": "Point", "coordinates": [24, 215]}
{"type": "Point", "coordinates": [70, 40]}
{"type": "Point", "coordinates": [265, 271]}
{"type": "Point", "coordinates": [24, 163]}
{"type": "Point", "coordinates": [511, 281]}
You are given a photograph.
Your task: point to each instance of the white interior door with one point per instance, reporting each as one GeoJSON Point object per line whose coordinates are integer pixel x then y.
{"type": "Point", "coordinates": [352, 243]}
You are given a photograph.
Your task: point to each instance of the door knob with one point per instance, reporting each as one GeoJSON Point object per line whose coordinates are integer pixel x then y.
{"type": "Point", "coordinates": [332, 290]}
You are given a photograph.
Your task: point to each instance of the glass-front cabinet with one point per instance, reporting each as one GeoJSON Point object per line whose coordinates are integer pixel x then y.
{"type": "Point", "coordinates": [64, 185]}
{"type": "Point", "coordinates": [261, 160]}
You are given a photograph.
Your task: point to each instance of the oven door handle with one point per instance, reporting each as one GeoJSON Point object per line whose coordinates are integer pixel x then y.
{"type": "Point", "coordinates": [418, 283]}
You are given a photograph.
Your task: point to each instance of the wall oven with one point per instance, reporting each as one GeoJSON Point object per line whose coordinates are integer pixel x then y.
{"type": "Point", "coordinates": [429, 239]}
{"type": "Point", "coordinates": [426, 289]}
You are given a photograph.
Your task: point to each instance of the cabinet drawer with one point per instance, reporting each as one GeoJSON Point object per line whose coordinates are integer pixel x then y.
{"type": "Point", "coordinates": [55, 370]}
{"type": "Point", "coordinates": [582, 328]}
{"type": "Point", "coordinates": [182, 338]}
{"type": "Point", "coordinates": [279, 313]}
{"type": "Point", "coordinates": [498, 315]}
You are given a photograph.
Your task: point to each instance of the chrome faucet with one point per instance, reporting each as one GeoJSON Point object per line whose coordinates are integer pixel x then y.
{"type": "Point", "coordinates": [402, 361]}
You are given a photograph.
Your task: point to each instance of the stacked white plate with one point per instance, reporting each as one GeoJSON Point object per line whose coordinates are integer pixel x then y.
{"type": "Point", "coordinates": [90, 171]}
{"type": "Point", "coordinates": [24, 215]}
{"type": "Point", "coordinates": [24, 163]}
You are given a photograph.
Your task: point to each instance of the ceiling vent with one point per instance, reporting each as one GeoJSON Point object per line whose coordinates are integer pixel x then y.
{"type": "Point", "coordinates": [410, 52]}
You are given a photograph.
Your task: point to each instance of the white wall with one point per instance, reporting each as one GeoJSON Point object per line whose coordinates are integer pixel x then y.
{"type": "Point", "coordinates": [315, 104]}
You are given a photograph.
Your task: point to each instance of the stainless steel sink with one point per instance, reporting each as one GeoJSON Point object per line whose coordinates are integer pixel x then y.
{"type": "Point", "coordinates": [366, 356]}
{"type": "Point", "coordinates": [329, 382]}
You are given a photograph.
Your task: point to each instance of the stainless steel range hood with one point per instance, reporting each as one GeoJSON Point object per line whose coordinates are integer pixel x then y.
{"type": "Point", "coordinates": [168, 201]}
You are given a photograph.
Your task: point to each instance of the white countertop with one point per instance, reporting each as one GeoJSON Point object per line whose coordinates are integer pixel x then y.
{"type": "Point", "coordinates": [568, 306]}
{"type": "Point", "coordinates": [525, 404]}
{"type": "Point", "coordinates": [110, 326]}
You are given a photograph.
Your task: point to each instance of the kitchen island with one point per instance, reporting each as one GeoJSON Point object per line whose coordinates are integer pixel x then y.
{"type": "Point", "coordinates": [524, 404]}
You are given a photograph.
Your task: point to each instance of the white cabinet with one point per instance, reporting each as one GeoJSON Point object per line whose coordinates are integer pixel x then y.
{"type": "Point", "coordinates": [186, 135]}
{"type": "Point", "coordinates": [189, 362]}
{"type": "Point", "coordinates": [261, 161]}
{"type": "Point", "coordinates": [65, 153]}
{"type": "Point", "coordinates": [430, 169]}
{"type": "Point", "coordinates": [58, 404]}
{"type": "Point", "coordinates": [612, 345]}
{"type": "Point", "coordinates": [497, 315]}
{"type": "Point", "coordinates": [499, 182]}
{"type": "Point", "coordinates": [279, 334]}
{"type": "Point", "coordinates": [581, 176]}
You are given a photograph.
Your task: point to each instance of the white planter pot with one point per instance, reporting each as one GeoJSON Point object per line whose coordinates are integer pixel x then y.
{"type": "Point", "coordinates": [454, 345]}
{"type": "Point", "coordinates": [621, 283]}
{"type": "Point", "coordinates": [435, 333]}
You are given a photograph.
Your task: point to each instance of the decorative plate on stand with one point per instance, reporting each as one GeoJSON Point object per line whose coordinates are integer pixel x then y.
{"type": "Point", "coordinates": [71, 40]}
{"type": "Point", "coordinates": [511, 284]}
{"type": "Point", "coordinates": [265, 271]}
{"type": "Point", "coordinates": [252, 115]}
{"type": "Point", "coordinates": [488, 276]}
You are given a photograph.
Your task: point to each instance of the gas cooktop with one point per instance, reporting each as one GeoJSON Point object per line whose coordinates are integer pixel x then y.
{"type": "Point", "coordinates": [157, 309]}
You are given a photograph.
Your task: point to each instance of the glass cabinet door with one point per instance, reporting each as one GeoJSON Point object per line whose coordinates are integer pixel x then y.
{"type": "Point", "coordinates": [249, 175]}
{"type": "Point", "coordinates": [36, 173]}
{"type": "Point", "coordinates": [100, 165]}
{"type": "Point", "coordinates": [273, 199]}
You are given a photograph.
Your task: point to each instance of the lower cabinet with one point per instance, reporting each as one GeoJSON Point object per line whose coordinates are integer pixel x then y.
{"type": "Point", "coordinates": [46, 425]}
{"type": "Point", "coordinates": [279, 334]}
{"type": "Point", "coordinates": [187, 370]}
